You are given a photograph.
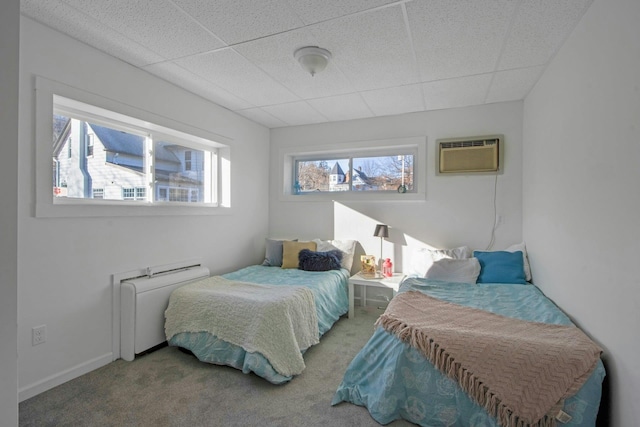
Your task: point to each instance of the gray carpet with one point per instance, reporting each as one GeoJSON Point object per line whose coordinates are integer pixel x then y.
{"type": "Point", "coordinates": [168, 387]}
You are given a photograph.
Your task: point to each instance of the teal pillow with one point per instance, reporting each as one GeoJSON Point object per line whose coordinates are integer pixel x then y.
{"type": "Point", "coordinates": [501, 267]}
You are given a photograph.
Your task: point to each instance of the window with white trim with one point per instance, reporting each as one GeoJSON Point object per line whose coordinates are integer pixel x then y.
{"type": "Point", "coordinates": [122, 159]}
{"type": "Point", "coordinates": [389, 169]}
{"type": "Point", "coordinates": [380, 173]}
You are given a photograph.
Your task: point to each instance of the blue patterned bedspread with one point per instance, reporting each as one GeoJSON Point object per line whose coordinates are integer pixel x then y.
{"type": "Point", "coordinates": [394, 381]}
{"type": "Point", "coordinates": [330, 290]}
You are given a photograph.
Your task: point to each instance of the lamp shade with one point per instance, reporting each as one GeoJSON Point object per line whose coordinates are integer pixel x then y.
{"type": "Point", "coordinates": [382, 230]}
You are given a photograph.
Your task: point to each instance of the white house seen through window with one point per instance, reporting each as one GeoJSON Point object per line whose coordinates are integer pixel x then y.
{"type": "Point", "coordinates": [96, 159]}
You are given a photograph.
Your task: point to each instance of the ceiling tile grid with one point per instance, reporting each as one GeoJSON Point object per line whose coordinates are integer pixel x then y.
{"type": "Point", "coordinates": [455, 38]}
{"type": "Point", "coordinates": [388, 57]}
{"type": "Point", "coordinates": [274, 55]}
{"type": "Point", "coordinates": [342, 107]}
{"type": "Point", "coordinates": [232, 71]}
{"type": "Point", "coordinates": [146, 22]}
{"type": "Point", "coordinates": [395, 100]}
{"type": "Point", "coordinates": [372, 49]}
{"type": "Point", "coordinates": [66, 19]}
{"type": "Point", "coordinates": [235, 21]}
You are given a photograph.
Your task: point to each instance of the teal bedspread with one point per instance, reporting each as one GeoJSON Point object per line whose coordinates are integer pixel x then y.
{"type": "Point", "coordinates": [330, 292]}
{"type": "Point", "coordinates": [394, 381]}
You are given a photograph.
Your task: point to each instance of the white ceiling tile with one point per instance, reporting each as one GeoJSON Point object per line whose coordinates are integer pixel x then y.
{"type": "Point", "coordinates": [539, 29]}
{"type": "Point", "coordinates": [274, 55]}
{"type": "Point", "coordinates": [388, 56]}
{"type": "Point", "coordinates": [156, 24]}
{"type": "Point", "coordinates": [459, 92]}
{"type": "Point", "coordinates": [233, 72]}
{"type": "Point", "coordinates": [295, 113]}
{"type": "Point", "coordinates": [260, 116]}
{"type": "Point", "coordinates": [236, 21]}
{"type": "Point", "coordinates": [312, 11]}
{"type": "Point", "coordinates": [513, 84]}
{"type": "Point", "coordinates": [372, 49]}
{"type": "Point", "coordinates": [79, 26]}
{"type": "Point", "coordinates": [395, 100]}
{"type": "Point", "coordinates": [454, 38]}
{"type": "Point", "coordinates": [193, 83]}
{"type": "Point", "coordinates": [341, 107]}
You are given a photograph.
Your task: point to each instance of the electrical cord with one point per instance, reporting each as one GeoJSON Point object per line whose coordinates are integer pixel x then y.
{"type": "Point", "coordinates": [495, 213]}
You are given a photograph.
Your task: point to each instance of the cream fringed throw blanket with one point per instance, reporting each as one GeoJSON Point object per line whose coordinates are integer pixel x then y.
{"type": "Point", "coordinates": [275, 321]}
{"type": "Point", "coordinates": [519, 371]}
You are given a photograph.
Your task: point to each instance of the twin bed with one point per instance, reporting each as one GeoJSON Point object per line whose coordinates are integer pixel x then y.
{"type": "Point", "coordinates": [262, 318]}
{"type": "Point", "coordinates": [330, 301]}
{"type": "Point", "coordinates": [395, 380]}
{"type": "Point", "coordinates": [444, 352]}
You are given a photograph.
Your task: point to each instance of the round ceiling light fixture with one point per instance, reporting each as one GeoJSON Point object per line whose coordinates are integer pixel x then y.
{"type": "Point", "coordinates": [312, 58]}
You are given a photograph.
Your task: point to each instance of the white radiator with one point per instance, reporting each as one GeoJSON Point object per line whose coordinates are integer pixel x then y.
{"type": "Point", "coordinates": [143, 302]}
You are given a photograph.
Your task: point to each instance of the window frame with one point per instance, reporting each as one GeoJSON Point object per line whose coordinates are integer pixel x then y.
{"type": "Point", "coordinates": [289, 157]}
{"type": "Point", "coordinates": [107, 112]}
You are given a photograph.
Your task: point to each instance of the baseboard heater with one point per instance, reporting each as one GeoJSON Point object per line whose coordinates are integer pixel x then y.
{"type": "Point", "coordinates": [143, 301]}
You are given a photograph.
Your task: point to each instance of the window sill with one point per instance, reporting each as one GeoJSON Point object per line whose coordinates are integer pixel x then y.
{"type": "Point", "coordinates": [353, 196]}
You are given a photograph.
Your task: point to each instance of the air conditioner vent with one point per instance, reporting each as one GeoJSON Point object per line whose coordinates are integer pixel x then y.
{"type": "Point", "coordinates": [469, 155]}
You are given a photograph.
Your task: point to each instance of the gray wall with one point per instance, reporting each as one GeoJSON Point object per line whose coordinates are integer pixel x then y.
{"type": "Point", "coordinates": [457, 210]}
{"type": "Point", "coordinates": [9, 78]}
{"type": "Point", "coordinates": [65, 264]}
{"type": "Point", "coordinates": [581, 199]}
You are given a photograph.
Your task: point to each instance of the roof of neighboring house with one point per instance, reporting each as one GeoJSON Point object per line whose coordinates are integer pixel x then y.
{"type": "Point", "coordinates": [121, 142]}
{"type": "Point", "coordinates": [358, 174]}
{"type": "Point", "coordinates": [337, 170]}
{"type": "Point", "coordinates": [61, 130]}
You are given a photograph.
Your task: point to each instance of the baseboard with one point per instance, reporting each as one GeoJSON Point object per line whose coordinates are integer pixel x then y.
{"type": "Point", "coordinates": [64, 376]}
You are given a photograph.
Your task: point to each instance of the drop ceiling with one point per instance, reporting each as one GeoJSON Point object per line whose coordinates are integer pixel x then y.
{"type": "Point", "coordinates": [388, 57]}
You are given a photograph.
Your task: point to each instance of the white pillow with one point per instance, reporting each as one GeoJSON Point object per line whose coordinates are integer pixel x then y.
{"type": "Point", "coordinates": [423, 258]}
{"type": "Point", "coordinates": [347, 247]}
{"type": "Point", "coordinates": [525, 259]}
{"type": "Point", "coordinates": [455, 270]}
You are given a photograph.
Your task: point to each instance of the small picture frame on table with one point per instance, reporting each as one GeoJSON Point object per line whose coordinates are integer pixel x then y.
{"type": "Point", "coordinates": [368, 266]}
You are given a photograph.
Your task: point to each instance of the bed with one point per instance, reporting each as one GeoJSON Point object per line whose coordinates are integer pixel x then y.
{"type": "Point", "coordinates": [395, 380]}
{"type": "Point", "coordinates": [286, 308]}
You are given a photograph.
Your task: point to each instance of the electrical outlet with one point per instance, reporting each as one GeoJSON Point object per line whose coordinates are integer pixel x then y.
{"type": "Point", "coordinates": [38, 334]}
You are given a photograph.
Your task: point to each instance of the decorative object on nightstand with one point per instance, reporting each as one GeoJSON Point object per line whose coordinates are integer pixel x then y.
{"type": "Point", "coordinates": [382, 231]}
{"type": "Point", "coordinates": [387, 268]}
{"type": "Point", "coordinates": [368, 266]}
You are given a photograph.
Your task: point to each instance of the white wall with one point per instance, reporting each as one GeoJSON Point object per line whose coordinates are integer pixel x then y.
{"type": "Point", "coordinates": [65, 264]}
{"type": "Point", "coordinates": [458, 210]}
{"type": "Point", "coordinates": [581, 199]}
{"type": "Point", "coordinates": [9, 78]}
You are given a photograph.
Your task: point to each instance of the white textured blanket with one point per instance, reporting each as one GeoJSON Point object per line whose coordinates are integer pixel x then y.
{"type": "Point", "coordinates": [276, 321]}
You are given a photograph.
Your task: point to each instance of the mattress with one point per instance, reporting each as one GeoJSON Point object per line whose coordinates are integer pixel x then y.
{"type": "Point", "coordinates": [330, 290]}
{"type": "Point", "coordinates": [394, 381]}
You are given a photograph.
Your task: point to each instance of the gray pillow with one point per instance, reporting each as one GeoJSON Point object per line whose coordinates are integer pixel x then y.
{"type": "Point", "coordinates": [273, 253]}
{"type": "Point", "coordinates": [455, 270]}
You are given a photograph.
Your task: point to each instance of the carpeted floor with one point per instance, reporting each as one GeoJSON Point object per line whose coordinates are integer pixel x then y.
{"type": "Point", "coordinates": [168, 387]}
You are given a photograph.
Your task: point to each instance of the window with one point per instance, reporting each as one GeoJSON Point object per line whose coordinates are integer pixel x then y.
{"type": "Point", "coordinates": [392, 172]}
{"type": "Point", "coordinates": [98, 193]}
{"type": "Point", "coordinates": [392, 169]}
{"type": "Point", "coordinates": [78, 180]}
{"type": "Point", "coordinates": [90, 141]}
{"type": "Point", "coordinates": [122, 159]}
{"type": "Point", "coordinates": [187, 160]}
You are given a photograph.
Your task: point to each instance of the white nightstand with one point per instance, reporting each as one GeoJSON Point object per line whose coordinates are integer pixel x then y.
{"type": "Point", "coordinates": [392, 282]}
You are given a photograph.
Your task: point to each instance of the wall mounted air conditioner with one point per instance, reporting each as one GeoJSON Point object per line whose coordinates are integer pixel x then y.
{"type": "Point", "coordinates": [470, 155]}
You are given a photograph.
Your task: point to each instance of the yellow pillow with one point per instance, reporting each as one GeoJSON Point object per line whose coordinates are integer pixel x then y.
{"type": "Point", "coordinates": [290, 251]}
